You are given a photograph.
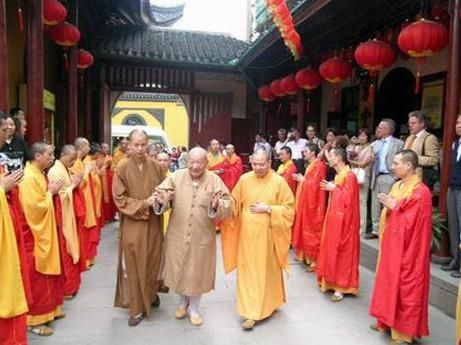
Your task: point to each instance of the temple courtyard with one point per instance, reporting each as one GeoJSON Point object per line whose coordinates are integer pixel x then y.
{"type": "Point", "coordinates": [309, 317]}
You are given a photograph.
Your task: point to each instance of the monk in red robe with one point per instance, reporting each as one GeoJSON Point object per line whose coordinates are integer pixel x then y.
{"type": "Point", "coordinates": [41, 240]}
{"type": "Point", "coordinates": [66, 220]}
{"type": "Point", "coordinates": [310, 208]}
{"type": "Point", "coordinates": [338, 260]}
{"type": "Point", "coordinates": [235, 166]}
{"type": "Point", "coordinates": [287, 169]}
{"type": "Point", "coordinates": [401, 292]}
{"type": "Point", "coordinates": [218, 163]}
{"type": "Point", "coordinates": [14, 287]}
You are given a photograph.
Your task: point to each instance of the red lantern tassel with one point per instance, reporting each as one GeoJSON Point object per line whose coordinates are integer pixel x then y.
{"type": "Point", "coordinates": [308, 104]}
{"type": "Point", "coordinates": [66, 61]}
{"type": "Point", "coordinates": [418, 82]}
{"type": "Point", "coordinates": [20, 20]}
{"type": "Point", "coordinates": [335, 99]}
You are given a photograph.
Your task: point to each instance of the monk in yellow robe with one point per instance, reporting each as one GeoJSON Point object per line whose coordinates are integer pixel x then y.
{"type": "Point", "coordinates": [70, 252]}
{"type": "Point", "coordinates": [287, 169]}
{"type": "Point", "coordinates": [41, 238]}
{"type": "Point", "coordinates": [120, 153]}
{"type": "Point", "coordinates": [256, 241]}
{"type": "Point", "coordinates": [86, 187]}
{"type": "Point", "coordinates": [13, 299]}
{"type": "Point", "coordinates": [163, 161]}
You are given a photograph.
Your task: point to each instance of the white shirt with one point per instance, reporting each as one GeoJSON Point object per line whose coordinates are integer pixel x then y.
{"type": "Point", "coordinates": [297, 148]}
{"type": "Point", "coordinates": [278, 146]}
{"type": "Point", "coordinates": [458, 155]}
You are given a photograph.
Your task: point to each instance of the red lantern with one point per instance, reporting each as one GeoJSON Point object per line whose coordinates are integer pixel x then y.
{"type": "Point", "coordinates": [265, 93]}
{"type": "Point", "coordinates": [54, 12]}
{"type": "Point", "coordinates": [374, 55]}
{"type": "Point", "coordinates": [84, 59]}
{"type": "Point", "coordinates": [65, 34]}
{"type": "Point", "coordinates": [289, 85]}
{"type": "Point", "coordinates": [308, 79]}
{"type": "Point", "coordinates": [335, 70]}
{"type": "Point", "coordinates": [276, 88]}
{"type": "Point", "coordinates": [422, 39]}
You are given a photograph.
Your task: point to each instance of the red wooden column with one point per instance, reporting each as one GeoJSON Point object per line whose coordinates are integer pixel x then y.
{"type": "Point", "coordinates": [72, 97]}
{"type": "Point", "coordinates": [89, 107]}
{"type": "Point", "coordinates": [104, 116]}
{"type": "Point", "coordinates": [301, 111]}
{"type": "Point", "coordinates": [451, 101]}
{"type": "Point", "coordinates": [35, 70]}
{"type": "Point", "coordinates": [3, 58]}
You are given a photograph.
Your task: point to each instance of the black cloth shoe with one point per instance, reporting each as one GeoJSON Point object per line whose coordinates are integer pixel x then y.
{"type": "Point", "coordinates": [456, 274]}
{"type": "Point", "coordinates": [134, 321]}
{"type": "Point", "coordinates": [156, 303]}
{"type": "Point", "coordinates": [452, 266]}
{"type": "Point", "coordinates": [370, 236]}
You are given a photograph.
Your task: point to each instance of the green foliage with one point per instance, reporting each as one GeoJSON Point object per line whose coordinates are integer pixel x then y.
{"type": "Point", "coordinates": [438, 227]}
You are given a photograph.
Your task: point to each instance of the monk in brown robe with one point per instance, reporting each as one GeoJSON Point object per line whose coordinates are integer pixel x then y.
{"type": "Point", "coordinates": [141, 235]}
{"type": "Point", "coordinates": [196, 197]}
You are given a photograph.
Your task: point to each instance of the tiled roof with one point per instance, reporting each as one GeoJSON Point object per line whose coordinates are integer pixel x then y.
{"type": "Point", "coordinates": [171, 46]}
{"type": "Point", "coordinates": [166, 16]}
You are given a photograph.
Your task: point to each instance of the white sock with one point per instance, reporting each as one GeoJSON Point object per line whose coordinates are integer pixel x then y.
{"type": "Point", "coordinates": [183, 301]}
{"type": "Point", "coordinates": [194, 304]}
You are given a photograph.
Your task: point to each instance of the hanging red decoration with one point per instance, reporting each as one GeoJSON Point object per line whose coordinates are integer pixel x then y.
{"type": "Point", "coordinates": [65, 34]}
{"type": "Point", "coordinates": [276, 88]}
{"type": "Point", "coordinates": [54, 12]}
{"type": "Point", "coordinates": [289, 85]}
{"type": "Point", "coordinates": [422, 39]}
{"type": "Point", "coordinates": [335, 71]}
{"type": "Point", "coordinates": [20, 17]}
{"type": "Point", "coordinates": [265, 93]}
{"type": "Point", "coordinates": [283, 20]}
{"type": "Point", "coordinates": [84, 59]}
{"type": "Point", "coordinates": [308, 78]}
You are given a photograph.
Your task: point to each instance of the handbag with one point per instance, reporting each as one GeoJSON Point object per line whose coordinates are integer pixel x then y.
{"type": "Point", "coordinates": [430, 174]}
{"type": "Point", "coordinates": [360, 174]}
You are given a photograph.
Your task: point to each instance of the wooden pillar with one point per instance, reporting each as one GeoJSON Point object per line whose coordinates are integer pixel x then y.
{"type": "Point", "coordinates": [301, 111]}
{"type": "Point", "coordinates": [35, 71]}
{"type": "Point", "coordinates": [72, 96]}
{"type": "Point", "coordinates": [451, 100]}
{"type": "Point", "coordinates": [104, 118]}
{"type": "Point", "coordinates": [89, 107]}
{"type": "Point", "coordinates": [3, 58]}
{"type": "Point", "coordinates": [72, 82]}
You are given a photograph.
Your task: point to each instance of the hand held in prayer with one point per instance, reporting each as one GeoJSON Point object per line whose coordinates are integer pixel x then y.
{"type": "Point", "coordinates": [11, 180]}
{"type": "Point", "coordinates": [259, 207]}
{"type": "Point", "coordinates": [76, 179]}
{"type": "Point", "coordinates": [215, 200]}
{"type": "Point", "coordinates": [387, 201]}
{"type": "Point", "coordinates": [297, 177]}
{"type": "Point", "coordinates": [89, 167]}
{"type": "Point", "coordinates": [55, 187]}
{"type": "Point", "coordinates": [327, 186]}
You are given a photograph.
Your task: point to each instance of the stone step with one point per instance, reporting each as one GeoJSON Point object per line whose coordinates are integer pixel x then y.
{"type": "Point", "coordinates": [443, 290]}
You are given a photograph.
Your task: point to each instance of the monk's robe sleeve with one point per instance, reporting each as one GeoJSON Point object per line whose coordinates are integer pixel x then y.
{"type": "Point", "coordinates": [37, 203]}
{"type": "Point", "coordinates": [12, 296]}
{"type": "Point", "coordinates": [282, 216]}
{"type": "Point", "coordinates": [134, 208]}
{"type": "Point", "coordinates": [230, 230]}
{"type": "Point", "coordinates": [224, 209]}
{"type": "Point", "coordinates": [167, 186]}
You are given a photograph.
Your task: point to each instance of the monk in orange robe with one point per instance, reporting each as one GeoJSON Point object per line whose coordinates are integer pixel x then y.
{"type": "Point", "coordinates": [256, 240]}
{"type": "Point", "coordinates": [235, 166]}
{"type": "Point", "coordinates": [338, 260]}
{"type": "Point", "coordinates": [401, 293]}
{"type": "Point", "coordinates": [41, 240]}
{"type": "Point", "coordinates": [218, 163]}
{"type": "Point", "coordinates": [120, 153]}
{"type": "Point", "coordinates": [108, 206]}
{"type": "Point", "coordinates": [66, 220]}
{"type": "Point", "coordinates": [287, 169]}
{"type": "Point", "coordinates": [13, 269]}
{"type": "Point", "coordinates": [87, 191]}
{"type": "Point", "coordinates": [310, 208]}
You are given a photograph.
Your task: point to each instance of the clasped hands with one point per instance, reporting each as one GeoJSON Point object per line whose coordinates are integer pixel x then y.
{"type": "Point", "coordinates": [327, 185]}
{"type": "Point", "coordinates": [11, 180]}
{"type": "Point", "coordinates": [388, 201]}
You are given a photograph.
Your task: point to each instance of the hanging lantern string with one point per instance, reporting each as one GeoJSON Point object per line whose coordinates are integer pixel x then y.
{"type": "Point", "coordinates": [20, 17]}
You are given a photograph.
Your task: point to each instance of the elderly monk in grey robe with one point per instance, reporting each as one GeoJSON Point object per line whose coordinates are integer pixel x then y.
{"type": "Point", "coordinates": [197, 198]}
{"type": "Point", "coordinates": [141, 235]}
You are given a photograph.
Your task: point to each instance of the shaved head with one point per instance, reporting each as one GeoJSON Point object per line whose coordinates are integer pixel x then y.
{"type": "Point", "coordinates": [136, 133]}
{"type": "Point", "coordinates": [261, 154]}
{"type": "Point", "coordinates": [197, 162]}
{"type": "Point", "coordinates": [80, 142]}
{"type": "Point", "coordinates": [261, 163]}
{"type": "Point", "coordinates": [68, 150]}
{"type": "Point", "coordinates": [214, 146]}
{"type": "Point", "coordinates": [197, 153]}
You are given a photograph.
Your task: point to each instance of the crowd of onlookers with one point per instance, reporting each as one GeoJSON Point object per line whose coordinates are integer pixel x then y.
{"type": "Point", "coordinates": [370, 155]}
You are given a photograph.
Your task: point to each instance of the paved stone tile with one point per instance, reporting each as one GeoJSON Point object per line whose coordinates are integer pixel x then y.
{"type": "Point", "coordinates": [308, 317]}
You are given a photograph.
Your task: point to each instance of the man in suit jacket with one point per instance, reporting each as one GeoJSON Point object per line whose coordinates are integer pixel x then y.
{"type": "Point", "coordinates": [385, 147]}
{"type": "Point", "coordinates": [423, 143]}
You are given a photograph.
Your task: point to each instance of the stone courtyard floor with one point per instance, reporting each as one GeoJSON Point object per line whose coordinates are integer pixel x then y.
{"type": "Point", "coordinates": [308, 317]}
